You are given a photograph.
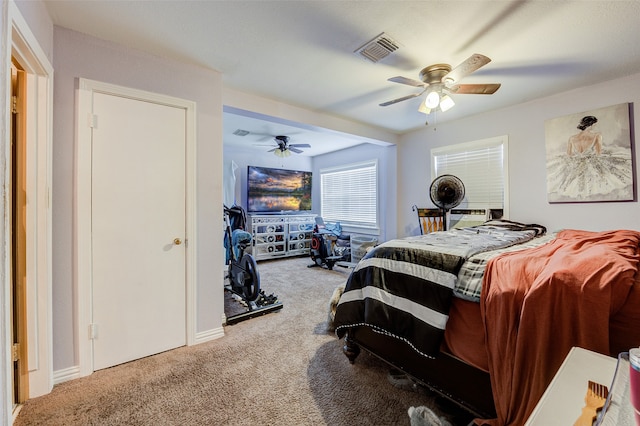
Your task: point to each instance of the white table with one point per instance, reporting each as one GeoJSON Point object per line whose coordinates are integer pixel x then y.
{"type": "Point", "coordinates": [562, 402]}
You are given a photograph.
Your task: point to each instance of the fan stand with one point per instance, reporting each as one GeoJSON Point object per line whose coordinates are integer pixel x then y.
{"type": "Point", "coordinates": [444, 219]}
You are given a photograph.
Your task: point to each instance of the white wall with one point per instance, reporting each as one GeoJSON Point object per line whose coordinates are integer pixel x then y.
{"type": "Point", "coordinates": [77, 55]}
{"type": "Point", "coordinates": [36, 15]}
{"type": "Point", "coordinates": [524, 125]}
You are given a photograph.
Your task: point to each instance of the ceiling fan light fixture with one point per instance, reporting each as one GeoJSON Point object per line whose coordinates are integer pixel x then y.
{"type": "Point", "coordinates": [423, 109]}
{"type": "Point", "coordinates": [432, 100]}
{"type": "Point", "coordinates": [438, 81]}
{"type": "Point", "coordinates": [446, 103]}
{"type": "Point", "coordinates": [282, 153]}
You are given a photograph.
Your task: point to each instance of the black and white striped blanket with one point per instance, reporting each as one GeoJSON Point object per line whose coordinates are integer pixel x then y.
{"type": "Point", "coordinates": [403, 288]}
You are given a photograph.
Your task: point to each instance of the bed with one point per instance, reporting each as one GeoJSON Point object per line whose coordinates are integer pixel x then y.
{"type": "Point", "coordinates": [485, 315]}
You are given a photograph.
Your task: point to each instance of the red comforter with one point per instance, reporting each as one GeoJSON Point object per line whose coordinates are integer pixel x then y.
{"type": "Point", "coordinates": [538, 303]}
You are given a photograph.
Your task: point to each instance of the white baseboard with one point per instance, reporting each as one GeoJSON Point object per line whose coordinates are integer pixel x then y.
{"type": "Point", "coordinates": [207, 336]}
{"type": "Point", "coordinates": [71, 373]}
{"type": "Point", "coordinates": [66, 374]}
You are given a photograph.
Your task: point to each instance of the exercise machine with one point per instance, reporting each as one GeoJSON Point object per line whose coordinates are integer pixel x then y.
{"type": "Point", "coordinates": [243, 277]}
{"type": "Point", "coordinates": [329, 246]}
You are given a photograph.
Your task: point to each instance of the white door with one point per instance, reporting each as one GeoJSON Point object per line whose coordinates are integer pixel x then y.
{"type": "Point", "coordinates": [137, 229]}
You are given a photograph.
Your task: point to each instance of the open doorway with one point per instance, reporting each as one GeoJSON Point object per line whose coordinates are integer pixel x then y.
{"type": "Point", "coordinates": [18, 271]}
{"type": "Point", "coordinates": [27, 234]}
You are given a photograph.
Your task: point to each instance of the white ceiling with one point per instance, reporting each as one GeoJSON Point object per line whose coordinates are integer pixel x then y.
{"type": "Point", "coordinates": [302, 52]}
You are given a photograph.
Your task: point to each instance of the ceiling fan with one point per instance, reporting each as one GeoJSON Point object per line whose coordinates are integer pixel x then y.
{"type": "Point", "coordinates": [284, 148]}
{"type": "Point", "coordinates": [440, 80]}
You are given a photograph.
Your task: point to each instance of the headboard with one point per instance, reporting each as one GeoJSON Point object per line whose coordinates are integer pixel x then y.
{"type": "Point", "coordinates": [463, 218]}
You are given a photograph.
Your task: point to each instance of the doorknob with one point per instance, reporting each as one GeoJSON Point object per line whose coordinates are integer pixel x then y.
{"type": "Point", "coordinates": [177, 241]}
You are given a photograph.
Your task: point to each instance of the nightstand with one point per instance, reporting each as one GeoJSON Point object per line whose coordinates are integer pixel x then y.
{"type": "Point", "coordinates": [563, 400]}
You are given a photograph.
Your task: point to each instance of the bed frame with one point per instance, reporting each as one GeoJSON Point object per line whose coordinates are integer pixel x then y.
{"type": "Point", "coordinates": [465, 385]}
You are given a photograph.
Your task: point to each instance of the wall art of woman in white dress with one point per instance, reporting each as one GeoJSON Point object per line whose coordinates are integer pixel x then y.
{"type": "Point", "coordinates": [589, 156]}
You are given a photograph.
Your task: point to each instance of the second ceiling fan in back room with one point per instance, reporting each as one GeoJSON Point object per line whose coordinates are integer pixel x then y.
{"type": "Point", "coordinates": [284, 148]}
{"type": "Point", "coordinates": [440, 81]}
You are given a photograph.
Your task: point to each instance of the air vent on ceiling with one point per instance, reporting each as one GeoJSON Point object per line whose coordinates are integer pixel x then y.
{"type": "Point", "coordinates": [241, 132]}
{"type": "Point", "coordinates": [378, 48]}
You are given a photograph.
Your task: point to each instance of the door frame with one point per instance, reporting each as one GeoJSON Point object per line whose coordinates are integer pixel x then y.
{"type": "Point", "coordinates": [20, 229]}
{"type": "Point", "coordinates": [24, 47]}
{"type": "Point", "coordinates": [82, 246]}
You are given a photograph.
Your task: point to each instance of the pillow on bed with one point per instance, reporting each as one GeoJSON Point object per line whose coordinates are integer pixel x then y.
{"type": "Point", "coordinates": [516, 226]}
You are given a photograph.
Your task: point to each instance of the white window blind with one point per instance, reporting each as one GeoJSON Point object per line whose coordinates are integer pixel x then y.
{"type": "Point", "coordinates": [349, 194]}
{"type": "Point", "coordinates": [482, 167]}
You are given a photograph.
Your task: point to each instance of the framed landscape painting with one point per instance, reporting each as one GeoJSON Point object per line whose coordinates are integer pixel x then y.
{"type": "Point", "coordinates": [590, 156]}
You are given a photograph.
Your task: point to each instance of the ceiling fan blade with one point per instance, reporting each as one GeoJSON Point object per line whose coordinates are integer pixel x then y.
{"type": "Point", "coordinates": [296, 150]}
{"type": "Point", "coordinates": [474, 89]}
{"type": "Point", "coordinates": [472, 63]}
{"type": "Point", "coordinates": [408, 81]}
{"type": "Point", "coordinates": [300, 145]}
{"type": "Point", "coordinates": [404, 98]}
{"type": "Point", "coordinates": [263, 136]}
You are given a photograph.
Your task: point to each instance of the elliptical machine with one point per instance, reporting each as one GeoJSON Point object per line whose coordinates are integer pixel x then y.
{"type": "Point", "coordinates": [243, 276]}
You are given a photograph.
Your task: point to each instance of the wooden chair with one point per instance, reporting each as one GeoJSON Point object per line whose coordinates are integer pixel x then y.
{"type": "Point", "coordinates": [430, 220]}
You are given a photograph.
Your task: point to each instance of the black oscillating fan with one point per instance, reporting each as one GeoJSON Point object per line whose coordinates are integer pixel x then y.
{"type": "Point", "coordinates": [446, 192]}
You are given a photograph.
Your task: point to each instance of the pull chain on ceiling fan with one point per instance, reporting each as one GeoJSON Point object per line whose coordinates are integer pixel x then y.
{"type": "Point", "coordinates": [439, 81]}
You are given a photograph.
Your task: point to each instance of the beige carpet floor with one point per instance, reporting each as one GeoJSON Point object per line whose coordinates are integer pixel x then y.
{"type": "Point", "coordinates": [282, 368]}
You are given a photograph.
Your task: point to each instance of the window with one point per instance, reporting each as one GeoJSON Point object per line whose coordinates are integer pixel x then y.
{"type": "Point", "coordinates": [482, 167]}
{"type": "Point", "coordinates": [349, 194]}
